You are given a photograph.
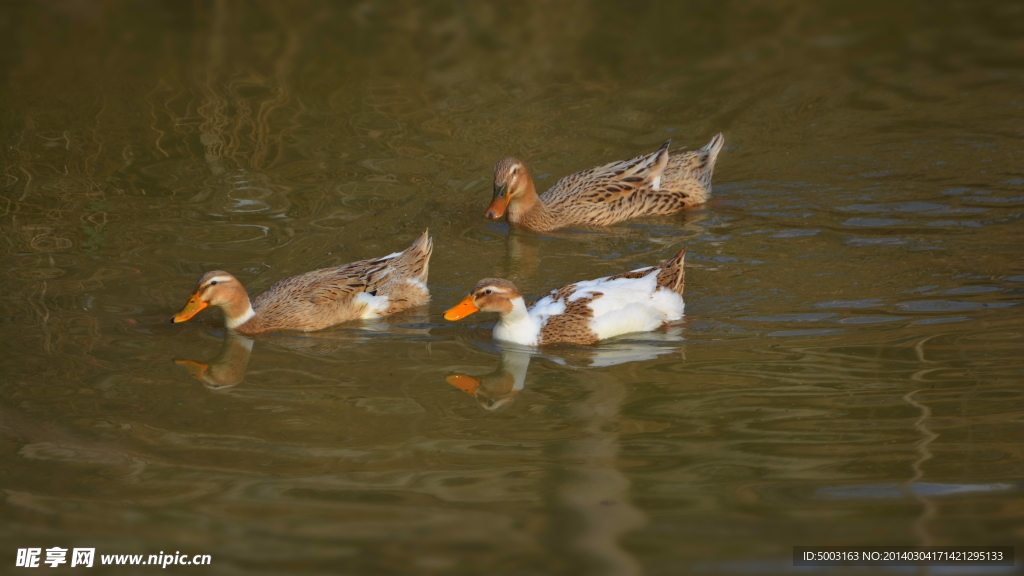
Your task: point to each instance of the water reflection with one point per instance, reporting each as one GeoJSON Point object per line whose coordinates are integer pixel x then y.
{"type": "Point", "coordinates": [892, 490]}
{"type": "Point", "coordinates": [46, 442]}
{"type": "Point", "coordinates": [591, 492]}
{"type": "Point", "coordinates": [497, 390]}
{"type": "Point", "coordinates": [645, 240]}
{"type": "Point", "coordinates": [227, 368]}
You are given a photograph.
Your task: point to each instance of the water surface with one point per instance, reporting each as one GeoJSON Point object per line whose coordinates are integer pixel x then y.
{"type": "Point", "coordinates": [848, 371]}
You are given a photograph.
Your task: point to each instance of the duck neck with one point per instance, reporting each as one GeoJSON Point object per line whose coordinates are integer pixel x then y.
{"type": "Point", "coordinates": [517, 325]}
{"type": "Point", "coordinates": [238, 310]}
{"type": "Point", "coordinates": [527, 208]}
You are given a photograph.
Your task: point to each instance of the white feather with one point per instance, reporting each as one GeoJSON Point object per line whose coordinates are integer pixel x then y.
{"type": "Point", "coordinates": [634, 317]}
{"type": "Point", "coordinates": [546, 307]}
{"type": "Point", "coordinates": [669, 303]}
{"type": "Point", "coordinates": [241, 319]}
{"type": "Point", "coordinates": [416, 282]}
{"type": "Point", "coordinates": [519, 325]}
{"type": "Point", "coordinates": [375, 305]}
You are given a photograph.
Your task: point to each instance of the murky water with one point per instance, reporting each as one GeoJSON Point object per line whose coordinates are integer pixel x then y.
{"type": "Point", "coordinates": [849, 371]}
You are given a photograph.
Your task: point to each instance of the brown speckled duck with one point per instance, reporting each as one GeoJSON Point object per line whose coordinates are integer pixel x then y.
{"type": "Point", "coordinates": [584, 312]}
{"type": "Point", "coordinates": [322, 298]}
{"type": "Point", "coordinates": [650, 184]}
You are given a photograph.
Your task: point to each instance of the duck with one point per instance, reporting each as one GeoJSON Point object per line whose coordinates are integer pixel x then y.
{"type": "Point", "coordinates": [651, 184]}
{"type": "Point", "coordinates": [321, 298]}
{"type": "Point", "coordinates": [583, 312]}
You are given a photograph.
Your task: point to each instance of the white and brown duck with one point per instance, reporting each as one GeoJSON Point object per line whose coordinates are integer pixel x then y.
{"type": "Point", "coordinates": [662, 182]}
{"type": "Point", "coordinates": [583, 312]}
{"type": "Point", "coordinates": [322, 298]}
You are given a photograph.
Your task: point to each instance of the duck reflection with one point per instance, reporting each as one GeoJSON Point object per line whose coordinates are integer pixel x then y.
{"type": "Point", "coordinates": [523, 255]}
{"type": "Point", "coordinates": [591, 496]}
{"type": "Point", "coordinates": [227, 368]}
{"type": "Point", "coordinates": [499, 389]}
{"type": "Point", "coordinates": [525, 249]}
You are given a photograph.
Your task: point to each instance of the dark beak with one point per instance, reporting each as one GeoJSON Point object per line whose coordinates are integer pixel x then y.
{"type": "Point", "coordinates": [499, 203]}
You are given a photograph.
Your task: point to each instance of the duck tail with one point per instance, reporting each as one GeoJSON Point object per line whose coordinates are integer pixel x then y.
{"type": "Point", "coordinates": [658, 163]}
{"type": "Point", "coordinates": [415, 260]}
{"type": "Point", "coordinates": [673, 275]}
{"type": "Point", "coordinates": [709, 154]}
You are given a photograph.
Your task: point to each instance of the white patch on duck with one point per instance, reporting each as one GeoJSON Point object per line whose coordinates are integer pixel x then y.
{"type": "Point", "coordinates": [236, 322]}
{"type": "Point", "coordinates": [376, 305]}
{"type": "Point", "coordinates": [522, 326]}
{"type": "Point", "coordinates": [606, 286]}
{"type": "Point", "coordinates": [416, 282]}
{"type": "Point", "coordinates": [629, 304]}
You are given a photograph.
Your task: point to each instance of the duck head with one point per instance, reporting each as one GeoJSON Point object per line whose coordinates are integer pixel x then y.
{"type": "Point", "coordinates": [220, 289]}
{"type": "Point", "coordinates": [489, 295]}
{"type": "Point", "coordinates": [512, 182]}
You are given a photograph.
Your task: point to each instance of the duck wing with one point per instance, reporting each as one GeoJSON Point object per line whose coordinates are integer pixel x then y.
{"type": "Point", "coordinates": [611, 182]}
{"type": "Point", "coordinates": [348, 281]}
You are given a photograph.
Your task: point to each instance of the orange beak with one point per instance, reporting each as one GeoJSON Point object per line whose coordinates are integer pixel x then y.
{"type": "Point", "coordinates": [462, 309]}
{"type": "Point", "coordinates": [192, 308]}
{"type": "Point", "coordinates": [195, 369]}
{"type": "Point", "coordinates": [499, 204]}
{"type": "Point", "coordinates": [467, 384]}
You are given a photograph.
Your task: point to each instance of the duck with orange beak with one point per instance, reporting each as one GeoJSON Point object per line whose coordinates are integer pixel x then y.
{"type": "Point", "coordinates": [583, 312]}
{"type": "Point", "coordinates": [650, 184]}
{"type": "Point", "coordinates": [322, 298]}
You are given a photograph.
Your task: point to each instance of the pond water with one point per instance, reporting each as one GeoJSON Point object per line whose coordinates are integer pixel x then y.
{"type": "Point", "coordinates": [849, 370]}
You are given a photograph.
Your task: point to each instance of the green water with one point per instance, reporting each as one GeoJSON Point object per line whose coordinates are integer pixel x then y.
{"type": "Point", "coordinates": [849, 370]}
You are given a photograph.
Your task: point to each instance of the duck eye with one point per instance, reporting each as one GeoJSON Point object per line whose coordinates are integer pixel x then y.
{"type": "Point", "coordinates": [214, 283]}
{"type": "Point", "coordinates": [488, 291]}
